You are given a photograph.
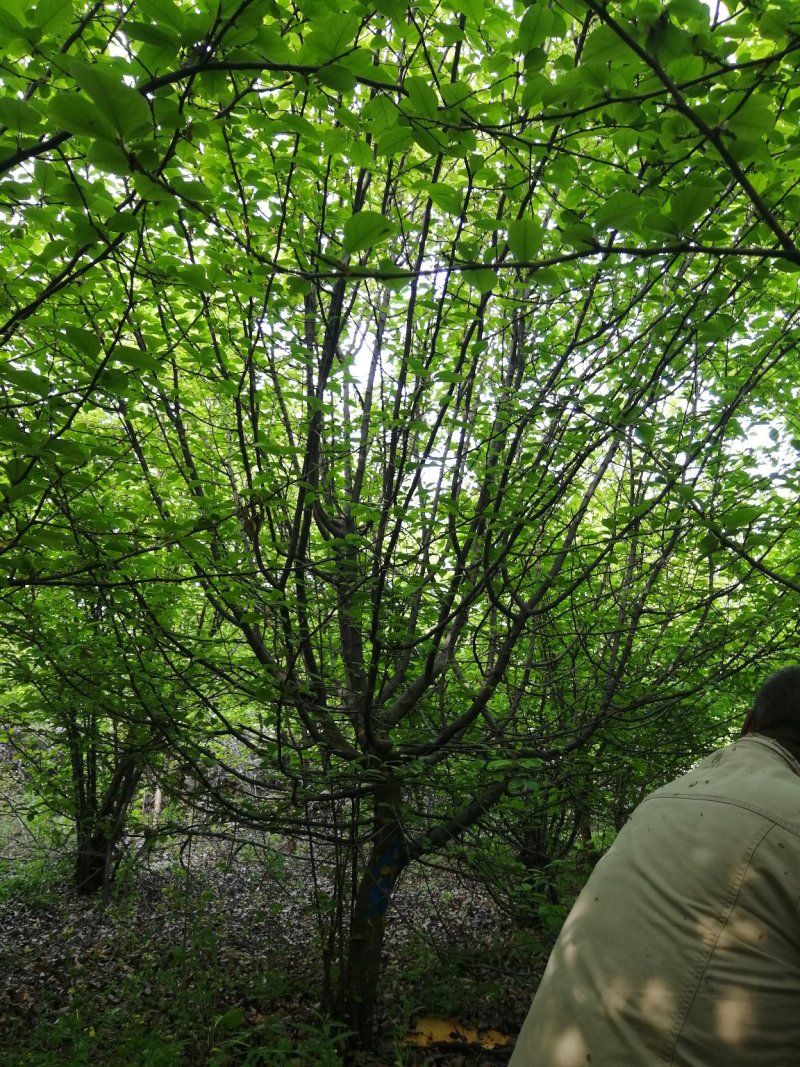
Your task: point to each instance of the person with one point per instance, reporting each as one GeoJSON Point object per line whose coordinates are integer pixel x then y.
{"type": "Point", "coordinates": [683, 949]}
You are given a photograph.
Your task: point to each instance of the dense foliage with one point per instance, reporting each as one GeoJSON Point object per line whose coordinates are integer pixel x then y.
{"type": "Point", "coordinates": [397, 414]}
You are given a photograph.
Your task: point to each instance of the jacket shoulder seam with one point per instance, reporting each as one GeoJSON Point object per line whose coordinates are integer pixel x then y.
{"type": "Point", "coordinates": [770, 816]}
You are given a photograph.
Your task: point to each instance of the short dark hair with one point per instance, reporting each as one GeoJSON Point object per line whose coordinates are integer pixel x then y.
{"type": "Point", "coordinates": [777, 704]}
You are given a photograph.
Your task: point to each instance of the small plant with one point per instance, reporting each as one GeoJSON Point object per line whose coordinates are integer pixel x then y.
{"type": "Point", "coordinates": [439, 983]}
{"type": "Point", "coordinates": [38, 879]}
{"type": "Point", "coordinates": [272, 1042]}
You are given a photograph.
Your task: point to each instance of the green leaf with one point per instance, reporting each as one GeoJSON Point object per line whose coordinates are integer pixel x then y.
{"type": "Point", "coordinates": [381, 113]}
{"type": "Point", "coordinates": [689, 203]}
{"type": "Point", "coordinates": [742, 516]}
{"type": "Point", "coordinates": [709, 543]}
{"type": "Point", "coordinates": [191, 189]}
{"type": "Point", "coordinates": [536, 86]}
{"type": "Point", "coordinates": [686, 68]}
{"type": "Point", "coordinates": [446, 197]}
{"type": "Point", "coordinates": [10, 430]}
{"type": "Point", "coordinates": [645, 432]}
{"type": "Point", "coordinates": [534, 27]}
{"type": "Point", "coordinates": [524, 238]}
{"type": "Point", "coordinates": [483, 279]}
{"type": "Point", "coordinates": [787, 266]}
{"type": "Point", "coordinates": [80, 116]}
{"type": "Point", "coordinates": [429, 139]}
{"type": "Point", "coordinates": [19, 115]}
{"type": "Point", "coordinates": [473, 9]}
{"type": "Point", "coordinates": [162, 13]}
{"type": "Point", "coordinates": [331, 37]}
{"type": "Point", "coordinates": [692, 11]}
{"type": "Point", "coordinates": [299, 125]}
{"type": "Point", "coordinates": [150, 190]}
{"type": "Point", "coordinates": [775, 23]}
{"type": "Point", "coordinates": [195, 275]}
{"type": "Point", "coordinates": [136, 357]}
{"type": "Point", "coordinates": [68, 450]}
{"type": "Point", "coordinates": [25, 381]}
{"type": "Point", "coordinates": [52, 17]}
{"type": "Point", "coordinates": [604, 45]}
{"type": "Point", "coordinates": [122, 222]}
{"type": "Point", "coordinates": [658, 224]}
{"type": "Point", "coordinates": [395, 284]}
{"type": "Point", "coordinates": [159, 34]}
{"type": "Point", "coordinates": [233, 1019]}
{"type": "Point", "coordinates": [106, 156]}
{"type": "Point", "coordinates": [337, 76]}
{"type": "Point", "coordinates": [455, 93]}
{"type": "Point", "coordinates": [83, 340]}
{"type": "Point", "coordinates": [420, 99]}
{"type": "Point", "coordinates": [395, 141]}
{"type": "Point", "coordinates": [115, 382]}
{"type": "Point", "coordinates": [365, 229]}
{"type": "Point", "coordinates": [619, 212]}
{"type": "Point", "coordinates": [580, 235]}
{"type": "Point", "coordinates": [752, 120]}
{"type": "Point", "coordinates": [11, 22]}
{"type": "Point", "coordinates": [126, 110]}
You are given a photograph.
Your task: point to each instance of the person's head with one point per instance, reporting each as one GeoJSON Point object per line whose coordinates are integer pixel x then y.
{"type": "Point", "coordinates": [776, 708]}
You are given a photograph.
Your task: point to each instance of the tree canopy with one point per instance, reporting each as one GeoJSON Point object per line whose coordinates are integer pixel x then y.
{"type": "Point", "coordinates": [397, 402]}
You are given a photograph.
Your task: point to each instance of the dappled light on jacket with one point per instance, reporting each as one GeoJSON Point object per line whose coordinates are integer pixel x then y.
{"type": "Point", "coordinates": [683, 950]}
{"type": "Point", "coordinates": [735, 1020]}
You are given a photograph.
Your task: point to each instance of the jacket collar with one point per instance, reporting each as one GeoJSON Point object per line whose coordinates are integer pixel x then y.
{"type": "Point", "coordinates": [776, 746]}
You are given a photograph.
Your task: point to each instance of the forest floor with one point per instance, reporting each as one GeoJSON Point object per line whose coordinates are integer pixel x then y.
{"type": "Point", "coordinates": [213, 959]}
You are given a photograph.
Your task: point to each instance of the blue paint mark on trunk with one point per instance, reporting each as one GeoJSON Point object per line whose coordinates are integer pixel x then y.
{"type": "Point", "coordinates": [383, 873]}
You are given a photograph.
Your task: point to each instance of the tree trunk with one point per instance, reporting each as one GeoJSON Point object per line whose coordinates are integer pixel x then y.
{"type": "Point", "coordinates": [98, 831]}
{"type": "Point", "coordinates": [91, 863]}
{"type": "Point", "coordinates": [388, 857]}
{"type": "Point", "coordinates": [157, 802]}
{"type": "Point", "coordinates": [589, 853]}
{"type": "Point", "coordinates": [535, 855]}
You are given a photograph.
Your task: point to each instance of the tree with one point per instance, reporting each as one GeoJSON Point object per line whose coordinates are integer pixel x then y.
{"type": "Point", "coordinates": [91, 708]}
{"type": "Point", "coordinates": [427, 346]}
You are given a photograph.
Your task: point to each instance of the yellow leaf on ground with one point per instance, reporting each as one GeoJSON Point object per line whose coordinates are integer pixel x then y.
{"type": "Point", "coordinates": [431, 1031]}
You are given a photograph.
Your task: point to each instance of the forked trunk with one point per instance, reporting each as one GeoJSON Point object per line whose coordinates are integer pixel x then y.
{"type": "Point", "coordinates": [100, 829]}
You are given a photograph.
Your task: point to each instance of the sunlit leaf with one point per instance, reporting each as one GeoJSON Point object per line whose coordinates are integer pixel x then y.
{"type": "Point", "coordinates": [524, 238]}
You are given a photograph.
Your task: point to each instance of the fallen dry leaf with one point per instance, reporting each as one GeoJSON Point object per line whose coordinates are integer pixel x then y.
{"type": "Point", "coordinates": [431, 1031]}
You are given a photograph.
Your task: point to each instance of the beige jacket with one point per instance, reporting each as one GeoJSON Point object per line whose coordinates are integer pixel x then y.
{"type": "Point", "coordinates": [684, 947]}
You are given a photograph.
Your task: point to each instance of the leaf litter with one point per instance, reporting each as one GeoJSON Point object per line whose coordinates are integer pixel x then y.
{"type": "Point", "coordinates": [242, 945]}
